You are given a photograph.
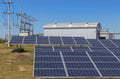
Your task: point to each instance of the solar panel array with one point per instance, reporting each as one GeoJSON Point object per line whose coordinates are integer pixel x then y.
{"type": "Point", "coordinates": [101, 59]}
{"type": "Point", "coordinates": [65, 62]}
{"type": "Point", "coordinates": [47, 40]}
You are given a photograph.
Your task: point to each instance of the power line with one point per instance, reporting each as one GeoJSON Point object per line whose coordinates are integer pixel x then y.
{"type": "Point", "coordinates": [26, 22]}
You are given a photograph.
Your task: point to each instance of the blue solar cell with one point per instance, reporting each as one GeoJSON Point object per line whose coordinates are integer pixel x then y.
{"type": "Point", "coordinates": [108, 65]}
{"type": "Point", "coordinates": [79, 65]}
{"type": "Point", "coordinates": [67, 54]}
{"type": "Point", "coordinates": [76, 59]}
{"type": "Point", "coordinates": [99, 50]}
{"type": "Point", "coordinates": [48, 65]}
{"type": "Point", "coordinates": [104, 59]}
{"type": "Point", "coordinates": [40, 54]}
{"type": "Point", "coordinates": [95, 43]}
{"type": "Point", "coordinates": [43, 49]}
{"type": "Point", "coordinates": [49, 72]}
{"type": "Point", "coordinates": [16, 40]}
{"type": "Point", "coordinates": [108, 43]}
{"type": "Point", "coordinates": [110, 72]}
{"type": "Point", "coordinates": [68, 40]}
{"type": "Point", "coordinates": [117, 42]}
{"type": "Point", "coordinates": [83, 72]}
{"type": "Point", "coordinates": [115, 50]}
{"type": "Point", "coordinates": [30, 40]}
{"type": "Point", "coordinates": [80, 49]}
{"type": "Point", "coordinates": [42, 40]}
{"type": "Point", "coordinates": [100, 54]}
{"type": "Point", "coordinates": [63, 49]}
{"type": "Point", "coordinates": [49, 59]}
{"type": "Point", "coordinates": [55, 40]}
{"type": "Point", "coordinates": [80, 40]}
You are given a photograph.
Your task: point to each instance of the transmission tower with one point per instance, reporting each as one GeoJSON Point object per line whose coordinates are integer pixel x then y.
{"type": "Point", "coordinates": [8, 13]}
{"type": "Point", "coordinates": [33, 21]}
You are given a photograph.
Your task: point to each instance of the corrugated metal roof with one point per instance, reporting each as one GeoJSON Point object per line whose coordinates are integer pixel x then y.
{"type": "Point", "coordinates": [73, 25]}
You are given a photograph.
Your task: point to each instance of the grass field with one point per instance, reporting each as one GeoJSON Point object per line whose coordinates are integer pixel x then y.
{"type": "Point", "coordinates": [16, 65]}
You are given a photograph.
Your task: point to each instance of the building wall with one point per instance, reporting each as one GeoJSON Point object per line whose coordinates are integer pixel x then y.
{"type": "Point", "coordinates": [89, 33]}
{"type": "Point", "coordinates": [107, 35]}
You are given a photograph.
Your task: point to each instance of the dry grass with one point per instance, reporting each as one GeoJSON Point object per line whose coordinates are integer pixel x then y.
{"type": "Point", "coordinates": [16, 65]}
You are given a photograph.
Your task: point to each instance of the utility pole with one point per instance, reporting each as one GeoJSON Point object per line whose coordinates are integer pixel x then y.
{"type": "Point", "coordinates": [9, 13]}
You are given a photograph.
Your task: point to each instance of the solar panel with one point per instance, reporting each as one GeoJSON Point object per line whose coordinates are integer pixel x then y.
{"type": "Point", "coordinates": [110, 72]}
{"type": "Point", "coordinates": [80, 49]}
{"type": "Point", "coordinates": [108, 65]}
{"type": "Point", "coordinates": [99, 50]}
{"type": "Point", "coordinates": [80, 40]}
{"type": "Point", "coordinates": [30, 40]}
{"type": "Point", "coordinates": [100, 54]}
{"type": "Point", "coordinates": [55, 40]}
{"type": "Point", "coordinates": [74, 64]}
{"type": "Point", "coordinates": [68, 40]}
{"type": "Point", "coordinates": [95, 43]}
{"type": "Point", "coordinates": [16, 40]}
{"type": "Point", "coordinates": [44, 48]}
{"type": "Point", "coordinates": [48, 65]}
{"type": "Point", "coordinates": [82, 72]}
{"type": "Point", "coordinates": [62, 49]}
{"type": "Point", "coordinates": [116, 41]}
{"type": "Point", "coordinates": [108, 43]}
{"type": "Point", "coordinates": [49, 40]}
{"type": "Point", "coordinates": [42, 40]}
{"type": "Point", "coordinates": [49, 72]}
{"type": "Point", "coordinates": [79, 65]}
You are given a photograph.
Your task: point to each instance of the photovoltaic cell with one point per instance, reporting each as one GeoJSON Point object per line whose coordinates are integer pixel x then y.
{"type": "Point", "coordinates": [49, 72]}
{"type": "Point", "coordinates": [16, 40]}
{"type": "Point", "coordinates": [82, 72]}
{"type": "Point", "coordinates": [55, 40]}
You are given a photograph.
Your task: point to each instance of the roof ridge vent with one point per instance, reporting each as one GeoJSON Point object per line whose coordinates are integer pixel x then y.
{"type": "Point", "coordinates": [70, 24]}
{"type": "Point", "coordinates": [86, 23]}
{"type": "Point", "coordinates": [55, 24]}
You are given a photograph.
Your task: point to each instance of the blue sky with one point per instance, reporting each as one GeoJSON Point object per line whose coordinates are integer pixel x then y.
{"type": "Point", "coordinates": [107, 12]}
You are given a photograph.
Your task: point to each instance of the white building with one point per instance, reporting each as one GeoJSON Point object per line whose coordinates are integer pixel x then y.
{"type": "Point", "coordinates": [87, 30]}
